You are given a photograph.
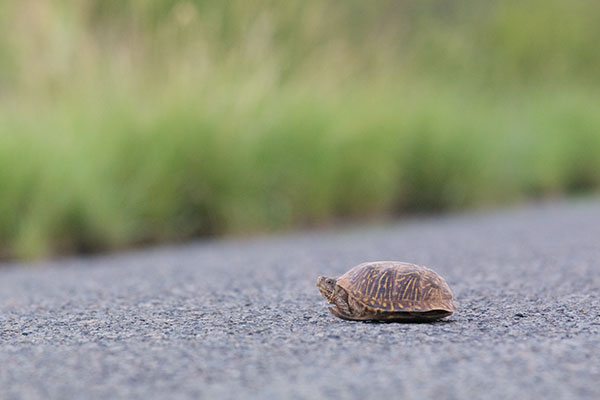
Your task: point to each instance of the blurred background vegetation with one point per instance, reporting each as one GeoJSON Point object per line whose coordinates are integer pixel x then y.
{"type": "Point", "coordinates": [129, 122]}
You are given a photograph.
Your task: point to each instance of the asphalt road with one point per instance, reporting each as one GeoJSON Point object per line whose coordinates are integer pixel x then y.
{"type": "Point", "coordinates": [243, 318]}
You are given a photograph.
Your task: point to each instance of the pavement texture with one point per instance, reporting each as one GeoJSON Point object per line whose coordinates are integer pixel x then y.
{"type": "Point", "coordinates": [234, 319]}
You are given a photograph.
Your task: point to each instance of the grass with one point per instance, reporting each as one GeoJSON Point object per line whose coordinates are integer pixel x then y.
{"type": "Point", "coordinates": [133, 122]}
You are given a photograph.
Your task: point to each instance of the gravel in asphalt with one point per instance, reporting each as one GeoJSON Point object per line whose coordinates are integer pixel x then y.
{"type": "Point", "coordinates": [232, 319]}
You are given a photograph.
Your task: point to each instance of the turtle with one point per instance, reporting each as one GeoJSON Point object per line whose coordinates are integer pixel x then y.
{"type": "Point", "coordinates": [388, 291]}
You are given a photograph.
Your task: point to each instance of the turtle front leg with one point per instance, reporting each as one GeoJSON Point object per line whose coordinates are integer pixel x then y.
{"type": "Point", "coordinates": [340, 299]}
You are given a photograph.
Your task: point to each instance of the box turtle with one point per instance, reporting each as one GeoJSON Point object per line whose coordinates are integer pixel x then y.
{"type": "Point", "coordinates": [388, 291]}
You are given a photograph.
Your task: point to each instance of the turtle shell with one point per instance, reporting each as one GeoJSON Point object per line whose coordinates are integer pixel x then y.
{"type": "Point", "coordinates": [396, 286]}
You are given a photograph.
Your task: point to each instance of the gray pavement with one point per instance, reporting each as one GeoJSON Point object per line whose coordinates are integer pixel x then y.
{"type": "Point", "coordinates": [234, 319]}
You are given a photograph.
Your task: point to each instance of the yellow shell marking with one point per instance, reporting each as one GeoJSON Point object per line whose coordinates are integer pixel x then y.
{"type": "Point", "coordinates": [405, 290]}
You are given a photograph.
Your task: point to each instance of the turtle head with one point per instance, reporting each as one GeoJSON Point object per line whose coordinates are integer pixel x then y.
{"type": "Point", "coordinates": [326, 286]}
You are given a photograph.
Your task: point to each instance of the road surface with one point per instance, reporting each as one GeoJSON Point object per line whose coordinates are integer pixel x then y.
{"type": "Point", "coordinates": [239, 318]}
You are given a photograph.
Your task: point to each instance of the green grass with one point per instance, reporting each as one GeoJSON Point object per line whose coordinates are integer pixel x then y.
{"type": "Point", "coordinates": [132, 122]}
